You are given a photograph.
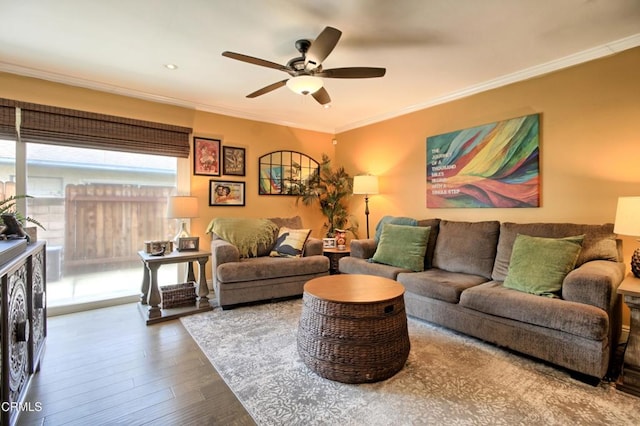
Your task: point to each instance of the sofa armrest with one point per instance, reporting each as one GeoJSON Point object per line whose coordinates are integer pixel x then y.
{"type": "Point", "coordinates": [223, 252]}
{"type": "Point", "coordinates": [313, 247]}
{"type": "Point", "coordinates": [364, 248]}
{"type": "Point", "coordinates": [594, 283]}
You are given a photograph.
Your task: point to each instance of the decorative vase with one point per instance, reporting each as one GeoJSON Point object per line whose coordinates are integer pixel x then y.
{"type": "Point", "coordinates": [635, 263]}
{"type": "Point", "coordinates": [341, 238]}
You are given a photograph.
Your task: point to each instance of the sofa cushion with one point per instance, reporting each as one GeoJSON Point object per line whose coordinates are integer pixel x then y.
{"type": "Point", "coordinates": [354, 265]}
{"type": "Point", "coordinates": [434, 225]}
{"type": "Point", "coordinates": [438, 284]}
{"type": "Point", "coordinates": [466, 247]}
{"type": "Point", "coordinates": [290, 242]}
{"type": "Point", "coordinates": [539, 265]}
{"type": "Point", "coordinates": [599, 241]}
{"type": "Point", "coordinates": [252, 237]}
{"type": "Point", "coordinates": [575, 318]}
{"type": "Point", "coordinates": [396, 220]}
{"type": "Point", "coordinates": [402, 246]}
{"type": "Point", "coordinates": [265, 267]}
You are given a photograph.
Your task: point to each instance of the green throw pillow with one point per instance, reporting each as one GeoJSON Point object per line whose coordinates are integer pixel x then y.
{"type": "Point", "coordinates": [290, 242]}
{"type": "Point", "coordinates": [402, 246]}
{"type": "Point", "coordinates": [539, 265]}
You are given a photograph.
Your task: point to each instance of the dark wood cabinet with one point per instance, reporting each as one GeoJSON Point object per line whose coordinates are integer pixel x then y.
{"type": "Point", "coordinates": [23, 328]}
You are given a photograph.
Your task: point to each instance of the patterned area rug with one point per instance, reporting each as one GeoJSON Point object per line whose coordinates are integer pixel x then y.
{"type": "Point", "coordinates": [448, 379]}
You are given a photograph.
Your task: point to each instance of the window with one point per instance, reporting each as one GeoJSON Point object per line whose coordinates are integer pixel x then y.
{"type": "Point", "coordinates": [97, 196]}
{"type": "Point", "coordinates": [98, 208]}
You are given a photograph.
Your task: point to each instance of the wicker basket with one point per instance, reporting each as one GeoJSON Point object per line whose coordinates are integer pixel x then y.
{"type": "Point", "coordinates": [353, 342]}
{"type": "Point", "coordinates": [178, 295]}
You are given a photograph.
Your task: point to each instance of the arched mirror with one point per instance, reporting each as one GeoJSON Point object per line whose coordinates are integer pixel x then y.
{"type": "Point", "coordinates": [285, 172]}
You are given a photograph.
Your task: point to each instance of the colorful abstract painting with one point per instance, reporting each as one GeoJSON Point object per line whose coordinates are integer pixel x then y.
{"type": "Point", "coordinates": [493, 165]}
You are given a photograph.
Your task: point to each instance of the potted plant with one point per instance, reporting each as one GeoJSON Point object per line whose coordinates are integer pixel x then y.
{"type": "Point", "coordinates": [330, 189]}
{"type": "Point", "coordinates": [8, 207]}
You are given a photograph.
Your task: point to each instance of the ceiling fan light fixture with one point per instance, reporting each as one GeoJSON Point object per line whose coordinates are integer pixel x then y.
{"type": "Point", "coordinates": [304, 84]}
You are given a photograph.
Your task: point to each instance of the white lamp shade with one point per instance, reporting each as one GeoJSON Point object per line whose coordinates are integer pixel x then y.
{"type": "Point", "coordinates": [628, 216]}
{"type": "Point", "coordinates": [304, 84]}
{"type": "Point", "coordinates": [182, 207]}
{"type": "Point", "coordinates": [365, 184]}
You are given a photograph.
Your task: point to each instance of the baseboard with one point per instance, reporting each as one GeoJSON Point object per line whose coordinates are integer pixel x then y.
{"type": "Point", "coordinates": [86, 306]}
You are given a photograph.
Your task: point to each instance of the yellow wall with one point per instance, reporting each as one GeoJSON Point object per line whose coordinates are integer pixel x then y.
{"type": "Point", "coordinates": [258, 139]}
{"type": "Point", "coordinates": [589, 145]}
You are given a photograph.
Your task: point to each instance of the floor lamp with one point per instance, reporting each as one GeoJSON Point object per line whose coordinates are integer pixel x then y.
{"type": "Point", "coordinates": [367, 185]}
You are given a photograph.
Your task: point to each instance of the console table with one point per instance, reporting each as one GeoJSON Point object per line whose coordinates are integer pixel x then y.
{"type": "Point", "coordinates": [630, 378]}
{"type": "Point", "coordinates": [150, 293]}
{"type": "Point", "coordinates": [23, 327]}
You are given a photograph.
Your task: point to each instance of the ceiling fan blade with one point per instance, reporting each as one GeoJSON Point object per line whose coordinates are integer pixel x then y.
{"type": "Point", "coordinates": [322, 96]}
{"type": "Point", "coordinates": [254, 61]}
{"type": "Point", "coordinates": [321, 47]}
{"type": "Point", "coordinates": [352, 72]}
{"type": "Point", "coordinates": [267, 89]}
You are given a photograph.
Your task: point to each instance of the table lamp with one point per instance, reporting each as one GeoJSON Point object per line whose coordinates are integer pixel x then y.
{"type": "Point", "coordinates": [182, 207]}
{"type": "Point", "coordinates": [367, 185]}
{"type": "Point", "coordinates": [628, 223]}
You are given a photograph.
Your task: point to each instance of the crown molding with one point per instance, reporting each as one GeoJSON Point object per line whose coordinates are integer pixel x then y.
{"type": "Point", "coordinates": [535, 71]}
{"type": "Point", "coordinates": [526, 74]}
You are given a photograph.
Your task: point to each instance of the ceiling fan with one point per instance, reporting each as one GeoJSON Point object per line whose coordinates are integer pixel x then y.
{"type": "Point", "coordinates": [306, 70]}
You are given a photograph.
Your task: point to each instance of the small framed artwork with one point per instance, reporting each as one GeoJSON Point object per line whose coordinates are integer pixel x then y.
{"type": "Point", "coordinates": [188, 243]}
{"type": "Point", "coordinates": [233, 161]}
{"type": "Point", "coordinates": [329, 243]}
{"type": "Point", "coordinates": [206, 156]}
{"type": "Point", "coordinates": [226, 193]}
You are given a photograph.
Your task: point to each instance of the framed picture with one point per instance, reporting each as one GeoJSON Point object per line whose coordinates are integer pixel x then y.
{"type": "Point", "coordinates": [464, 172]}
{"type": "Point", "coordinates": [206, 156]}
{"type": "Point", "coordinates": [329, 243]}
{"type": "Point", "coordinates": [226, 193]}
{"type": "Point", "coordinates": [233, 161]}
{"type": "Point", "coordinates": [188, 243]}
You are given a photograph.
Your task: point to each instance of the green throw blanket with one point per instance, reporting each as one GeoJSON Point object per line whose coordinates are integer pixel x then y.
{"type": "Point", "coordinates": [245, 233]}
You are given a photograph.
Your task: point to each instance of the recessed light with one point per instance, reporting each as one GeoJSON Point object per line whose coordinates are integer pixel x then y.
{"type": "Point", "coordinates": [171, 66]}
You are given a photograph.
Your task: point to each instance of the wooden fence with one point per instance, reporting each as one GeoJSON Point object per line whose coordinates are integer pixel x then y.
{"type": "Point", "coordinates": [109, 223]}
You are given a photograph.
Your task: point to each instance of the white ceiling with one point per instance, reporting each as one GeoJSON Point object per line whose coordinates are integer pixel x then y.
{"type": "Point", "coordinates": [433, 50]}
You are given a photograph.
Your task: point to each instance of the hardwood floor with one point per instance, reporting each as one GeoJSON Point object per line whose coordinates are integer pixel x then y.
{"type": "Point", "coordinates": [106, 367]}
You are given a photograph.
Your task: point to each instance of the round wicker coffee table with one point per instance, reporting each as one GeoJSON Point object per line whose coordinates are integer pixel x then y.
{"type": "Point", "coordinates": [353, 328]}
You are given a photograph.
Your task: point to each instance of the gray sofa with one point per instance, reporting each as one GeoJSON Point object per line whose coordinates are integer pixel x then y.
{"type": "Point", "coordinates": [462, 289]}
{"type": "Point", "coordinates": [238, 280]}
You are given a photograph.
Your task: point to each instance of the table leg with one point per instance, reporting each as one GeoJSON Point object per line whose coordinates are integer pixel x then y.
{"type": "Point", "coordinates": [154, 292]}
{"type": "Point", "coordinates": [203, 290]}
{"type": "Point", "coordinates": [191, 277]}
{"type": "Point", "coordinates": [631, 368]}
{"type": "Point", "coordinates": [144, 291]}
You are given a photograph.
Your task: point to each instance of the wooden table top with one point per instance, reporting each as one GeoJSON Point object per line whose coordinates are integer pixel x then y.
{"type": "Point", "coordinates": [345, 250]}
{"type": "Point", "coordinates": [353, 288]}
{"type": "Point", "coordinates": [173, 257]}
{"type": "Point", "coordinates": [630, 286]}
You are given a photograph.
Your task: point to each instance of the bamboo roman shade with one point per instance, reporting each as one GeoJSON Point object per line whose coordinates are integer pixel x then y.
{"type": "Point", "coordinates": [7, 118]}
{"type": "Point", "coordinates": [68, 127]}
